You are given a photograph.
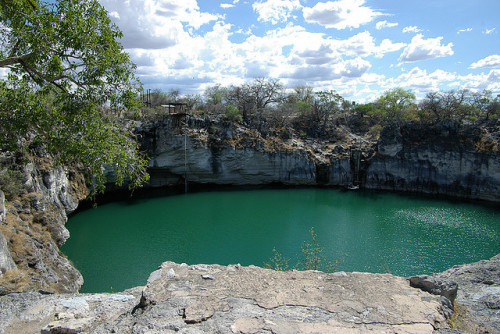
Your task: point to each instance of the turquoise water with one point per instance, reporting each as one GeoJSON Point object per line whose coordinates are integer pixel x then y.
{"type": "Point", "coordinates": [117, 245]}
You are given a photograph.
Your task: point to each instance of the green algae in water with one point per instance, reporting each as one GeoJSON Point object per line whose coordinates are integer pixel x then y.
{"type": "Point", "coordinates": [116, 246]}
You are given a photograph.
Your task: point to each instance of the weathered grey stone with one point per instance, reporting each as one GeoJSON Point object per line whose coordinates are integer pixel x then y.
{"type": "Point", "coordinates": [2, 207]}
{"type": "Point", "coordinates": [442, 159]}
{"type": "Point", "coordinates": [52, 192]}
{"type": "Point", "coordinates": [478, 290]}
{"type": "Point", "coordinates": [239, 300]}
{"type": "Point", "coordinates": [6, 262]}
{"type": "Point", "coordinates": [435, 286]}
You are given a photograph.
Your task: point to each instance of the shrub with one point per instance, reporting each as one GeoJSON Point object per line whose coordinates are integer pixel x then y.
{"type": "Point", "coordinates": [312, 258]}
{"type": "Point", "coordinates": [233, 114]}
{"type": "Point", "coordinates": [278, 262]}
{"type": "Point", "coordinates": [11, 182]}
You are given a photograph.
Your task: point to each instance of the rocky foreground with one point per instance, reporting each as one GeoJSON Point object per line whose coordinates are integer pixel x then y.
{"type": "Point", "coordinates": [236, 299]}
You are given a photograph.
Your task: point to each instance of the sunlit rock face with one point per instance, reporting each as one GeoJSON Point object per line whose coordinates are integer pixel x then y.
{"type": "Point", "coordinates": [245, 166]}
{"type": "Point", "coordinates": [33, 230]}
{"type": "Point", "coordinates": [236, 299]}
{"type": "Point", "coordinates": [446, 159]}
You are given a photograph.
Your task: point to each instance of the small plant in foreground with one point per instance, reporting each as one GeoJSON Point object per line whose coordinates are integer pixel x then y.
{"type": "Point", "coordinates": [312, 258]}
{"type": "Point", "coordinates": [311, 252]}
{"type": "Point", "coordinates": [277, 262]}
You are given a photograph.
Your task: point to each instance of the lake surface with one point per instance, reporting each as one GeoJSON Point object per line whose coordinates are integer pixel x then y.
{"type": "Point", "coordinates": [116, 246]}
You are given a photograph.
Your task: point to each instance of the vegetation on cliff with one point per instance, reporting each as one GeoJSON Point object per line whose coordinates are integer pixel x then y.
{"type": "Point", "coordinates": [325, 114]}
{"type": "Point", "coordinates": [67, 78]}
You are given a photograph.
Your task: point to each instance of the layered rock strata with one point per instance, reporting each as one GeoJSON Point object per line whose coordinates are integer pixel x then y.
{"type": "Point", "coordinates": [444, 159]}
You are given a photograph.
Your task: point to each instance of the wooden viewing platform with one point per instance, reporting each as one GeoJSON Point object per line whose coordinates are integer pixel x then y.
{"type": "Point", "coordinates": [176, 107]}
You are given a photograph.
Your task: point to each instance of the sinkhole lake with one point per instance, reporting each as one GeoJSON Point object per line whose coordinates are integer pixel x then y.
{"type": "Point", "coordinates": [116, 246]}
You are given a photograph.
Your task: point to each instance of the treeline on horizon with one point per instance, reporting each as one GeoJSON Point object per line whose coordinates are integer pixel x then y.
{"type": "Point", "coordinates": [315, 113]}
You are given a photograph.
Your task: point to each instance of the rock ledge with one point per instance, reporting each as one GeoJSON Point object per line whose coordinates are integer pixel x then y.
{"type": "Point", "coordinates": [234, 299]}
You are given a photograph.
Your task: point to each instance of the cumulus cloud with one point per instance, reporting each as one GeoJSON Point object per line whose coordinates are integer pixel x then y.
{"type": "Point", "coordinates": [422, 49]}
{"type": "Point", "coordinates": [413, 29]}
{"type": "Point", "coordinates": [177, 45]}
{"type": "Point", "coordinates": [155, 24]}
{"type": "Point", "coordinates": [388, 46]}
{"type": "Point", "coordinates": [312, 73]}
{"type": "Point", "coordinates": [420, 80]}
{"type": "Point", "coordinates": [320, 56]}
{"type": "Point", "coordinates": [480, 82]}
{"type": "Point", "coordinates": [355, 68]}
{"type": "Point", "coordinates": [275, 11]}
{"type": "Point", "coordinates": [363, 45]}
{"type": "Point", "coordinates": [384, 24]}
{"type": "Point", "coordinates": [492, 61]}
{"type": "Point", "coordinates": [340, 14]}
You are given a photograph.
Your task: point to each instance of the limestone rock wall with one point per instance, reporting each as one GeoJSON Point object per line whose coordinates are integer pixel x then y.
{"type": "Point", "coordinates": [233, 166]}
{"type": "Point", "coordinates": [214, 152]}
{"type": "Point", "coordinates": [446, 159]}
{"type": "Point", "coordinates": [33, 229]}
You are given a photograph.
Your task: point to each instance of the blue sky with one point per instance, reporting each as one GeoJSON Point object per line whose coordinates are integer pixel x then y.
{"type": "Point", "coordinates": [359, 48]}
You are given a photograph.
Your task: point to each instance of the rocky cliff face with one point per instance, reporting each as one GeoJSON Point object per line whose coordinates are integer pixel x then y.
{"type": "Point", "coordinates": [33, 229]}
{"type": "Point", "coordinates": [211, 151]}
{"type": "Point", "coordinates": [449, 159]}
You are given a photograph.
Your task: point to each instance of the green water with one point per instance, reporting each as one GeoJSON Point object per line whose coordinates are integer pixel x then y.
{"type": "Point", "coordinates": [116, 246]}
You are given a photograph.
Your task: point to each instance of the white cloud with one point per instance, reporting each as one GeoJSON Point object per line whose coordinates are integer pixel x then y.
{"type": "Point", "coordinates": [114, 15]}
{"type": "Point", "coordinates": [363, 44]}
{"type": "Point", "coordinates": [275, 11]}
{"type": "Point", "coordinates": [413, 29]}
{"type": "Point", "coordinates": [492, 61]}
{"type": "Point", "coordinates": [420, 81]}
{"type": "Point", "coordinates": [226, 5]}
{"type": "Point", "coordinates": [480, 82]}
{"type": "Point", "coordinates": [165, 40]}
{"type": "Point", "coordinates": [421, 49]}
{"type": "Point", "coordinates": [340, 14]}
{"type": "Point", "coordinates": [464, 30]}
{"type": "Point", "coordinates": [384, 24]}
{"type": "Point", "coordinates": [155, 24]}
{"type": "Point", "coordinates": [388, 46]}
{"type": "Point", "coordinates": [354, 68]}
{"type": "Point", "coordinates": [489, 31]}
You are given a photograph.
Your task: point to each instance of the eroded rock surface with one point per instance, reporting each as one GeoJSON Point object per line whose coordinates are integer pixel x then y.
{"type": "Point", "coordinates": [234, 299]}
{"type": "Point", "coordinates": [443, 159]}
{"type": "Point", "coordinates": [478, 290]}
{"type": "Point", "coordinates": [450, 159]}
{"type": "Point", "coordinates": [32, 225]}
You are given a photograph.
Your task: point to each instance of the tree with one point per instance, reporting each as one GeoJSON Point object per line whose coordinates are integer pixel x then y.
{"type": "Point", "coordinates": [214, 98]}
{"type": "Point", "coordinates": [265, 92]}
{"type": "Point", "coordinates": [326, 104]}
{"type": "Point", "coordinates": [458, 105]}
{"type": "Point", "coordinates": [68, 75]}
{"type": "Point", "coordinates": [394, 105]}
{"type": "Point", "coordinates": [241, 97]}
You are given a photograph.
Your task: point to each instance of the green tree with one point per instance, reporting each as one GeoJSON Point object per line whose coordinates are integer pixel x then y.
{"type": "Point", "coordinates": [395, 105]}
{"type": "Point", "coordinates": [67, 78]}
{"type": "Point", "coordinates": [326, 104]}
